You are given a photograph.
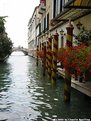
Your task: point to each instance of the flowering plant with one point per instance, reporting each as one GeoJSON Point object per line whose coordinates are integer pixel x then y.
{"type": "Point", "coordinates": [84, 36]}
{"type": "Point", "coordinates": [40, 54]}
{"type": "Point", "coordinates": [78, 59]}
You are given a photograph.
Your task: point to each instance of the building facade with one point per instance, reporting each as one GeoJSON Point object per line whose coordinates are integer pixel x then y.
{"type": "Point", "coordinates": [54, 15]}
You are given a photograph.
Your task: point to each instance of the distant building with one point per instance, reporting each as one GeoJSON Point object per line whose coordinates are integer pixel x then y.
{"type": "Point", "coordinates": [33, 31]}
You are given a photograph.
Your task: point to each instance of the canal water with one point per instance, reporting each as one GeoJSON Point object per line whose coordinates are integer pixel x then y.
{"type": "Point", "coordinates": [25, 95]}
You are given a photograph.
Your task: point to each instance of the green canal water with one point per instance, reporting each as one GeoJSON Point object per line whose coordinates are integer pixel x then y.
{"type": "Point", "coordinates": [25, 95]}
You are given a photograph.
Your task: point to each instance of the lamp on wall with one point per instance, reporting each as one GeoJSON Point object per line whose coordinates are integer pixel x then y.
{"type": "Point", "coordinates": [62, 37]}
{"type": "Point", "coordinates": [61, 32]}
{"type": "Point", "coordinates": [62, 42]}
{"type": "Point", "coordinates": [79, 25]}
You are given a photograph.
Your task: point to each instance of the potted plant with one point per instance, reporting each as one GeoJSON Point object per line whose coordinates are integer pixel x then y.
{"type": "Point", "coordinates": [78, 59]}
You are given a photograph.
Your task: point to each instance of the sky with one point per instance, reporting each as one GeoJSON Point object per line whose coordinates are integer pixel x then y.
{"type": "Point", "coordinates": [19, 12]}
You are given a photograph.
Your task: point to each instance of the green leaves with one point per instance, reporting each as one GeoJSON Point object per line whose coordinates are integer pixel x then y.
{"type": "Point", "coordinates": [84, 36]}
{"type": "Point", "coordinates": [5, 42]}
{"type": "Point", "coordinates": [2, 27]}
{"type": "Point", "coordinates": [78, 59]}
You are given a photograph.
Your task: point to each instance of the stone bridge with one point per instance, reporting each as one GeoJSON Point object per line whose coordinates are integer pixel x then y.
{"type": "Point", "coordinates": [24, 50]}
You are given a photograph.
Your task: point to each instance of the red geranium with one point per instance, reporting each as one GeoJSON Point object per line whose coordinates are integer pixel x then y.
{"type": "Point", "coordinates": [78, 59]}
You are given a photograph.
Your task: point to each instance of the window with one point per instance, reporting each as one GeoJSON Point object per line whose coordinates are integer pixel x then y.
{"type": "Point", "coordinates": [57, 7]}
{"type": "Point", "coordinates": [39, 28]}
{"type": "Point", "coordinates": [54, 8]}
{"type": "Point", "coordinates": [44, 24]}
{"type": "Point", "coordinates": [47, 22]}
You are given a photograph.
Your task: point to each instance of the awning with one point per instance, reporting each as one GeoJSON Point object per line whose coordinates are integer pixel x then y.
{"type": "Point", "coordinates": [73, 14]}
{"type": "Point", "coordinates": [80, 4]}
{"type": "Point", "coordinates": [73, 9]}
{"type": "Point", "coordinates": [41, 9]}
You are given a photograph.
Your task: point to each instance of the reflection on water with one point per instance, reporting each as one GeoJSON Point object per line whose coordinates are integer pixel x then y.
{"type": "Point", "coordinates": [26, 96]}
{"type": "Point", "coordinates": [4, 77]}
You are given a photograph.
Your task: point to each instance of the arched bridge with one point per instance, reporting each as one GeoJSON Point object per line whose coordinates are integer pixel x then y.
{"type": "Point", "coordinates": [24, 50]}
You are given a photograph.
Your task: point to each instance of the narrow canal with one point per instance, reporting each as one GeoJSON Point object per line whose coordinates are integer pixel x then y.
{"type": "Point", "coordinates": [25, 95]}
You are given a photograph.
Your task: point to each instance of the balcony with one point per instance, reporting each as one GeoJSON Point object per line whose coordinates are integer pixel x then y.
{"type": "Point", "coordinates": [73, 9]}
{"type": "Point", "coordinates": [78, 4]}
{"type": "Point", "coordinates": [42, 8]}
